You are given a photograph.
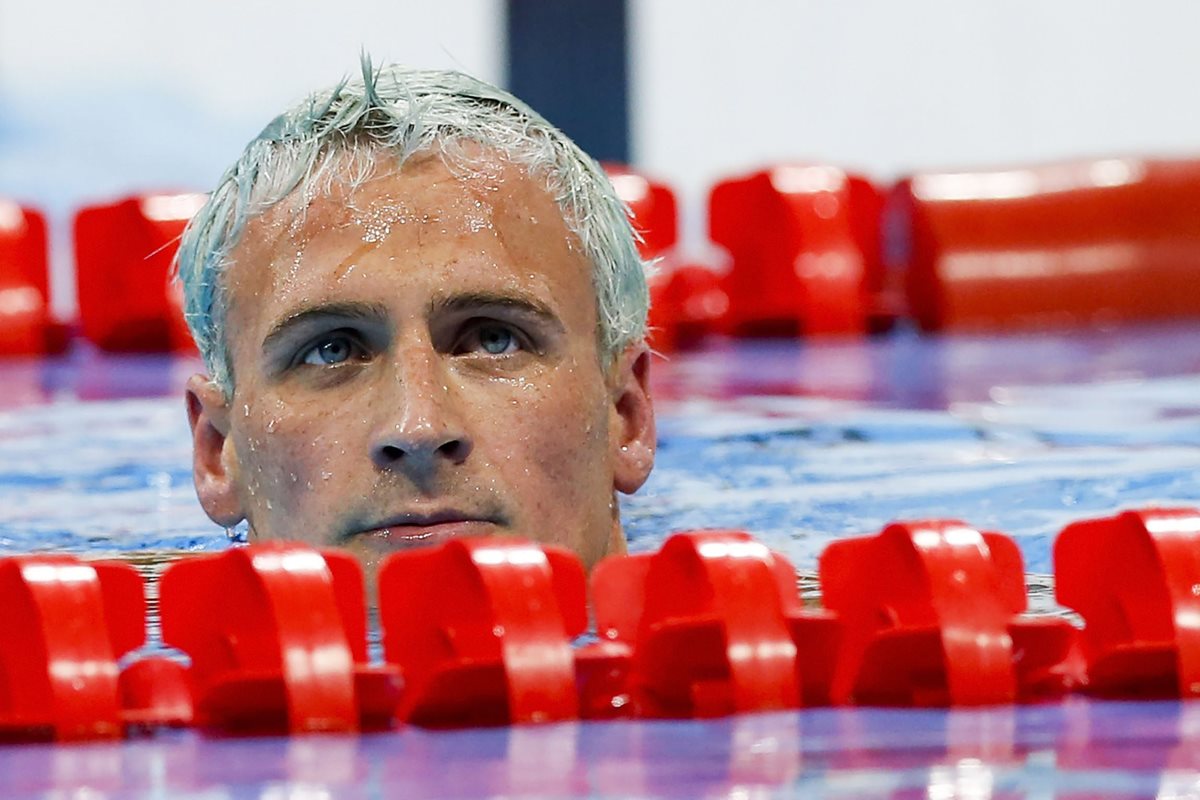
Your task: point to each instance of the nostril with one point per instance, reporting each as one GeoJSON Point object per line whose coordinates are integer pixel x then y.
{"type": "Point", "coordinates": [455, 449]}
{"type": "Point", "coordinates": [391, 453]}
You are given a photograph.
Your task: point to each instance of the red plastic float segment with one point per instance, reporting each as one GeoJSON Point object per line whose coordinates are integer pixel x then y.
{"type": "Point", "coordinates": [1135, 579]}
{"type": "Point", "coordinates": [123, 257]}
{"type": "Point", "coordinates": [929, 618]}
{"type": "Point", "coordinates": [123, 596]}
{"type": "Point", "coordinates": [1073, 244]}
{"type": "Point", "coordinates": [805, 252]}
{"type": "Point", "coordinates": [275, 634]}
{"type": "Point", "coordinates": [883, 300]}
{"type": "Point", "coordinates": [156, 692]}
{"type": "Point", "coordinates": [481, 629]}
{"type": "Point", "coordinates": [652, 207]}
{"type": "Point", "coordinates": [687, 302]}
{"type": "Point", "coordinates": [25, 322]}
{"type": "Point", "coordinates": [66, 623]}
{"type": "Point", "coordinates": [713, 619]}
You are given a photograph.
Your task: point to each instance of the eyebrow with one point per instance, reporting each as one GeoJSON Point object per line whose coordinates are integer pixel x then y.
{"type": "Point", "coordinates": [369, 312]}
{"type": "Point", "coordinates": [469, 302]}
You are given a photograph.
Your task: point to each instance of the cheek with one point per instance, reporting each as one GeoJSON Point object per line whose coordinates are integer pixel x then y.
{"type": "Point", "coordinates": [289, 454]}
{"type": "Point", "coordinates": [552, 430]}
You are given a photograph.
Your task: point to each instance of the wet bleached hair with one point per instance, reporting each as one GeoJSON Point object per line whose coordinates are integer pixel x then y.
{"type": "Point", "coordinates": [345, 132]}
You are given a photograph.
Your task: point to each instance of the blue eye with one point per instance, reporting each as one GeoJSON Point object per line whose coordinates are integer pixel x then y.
{"type": "Point", "coordinates": [496, 340]}
{"type": "Point", "coordinates": [332, 350]}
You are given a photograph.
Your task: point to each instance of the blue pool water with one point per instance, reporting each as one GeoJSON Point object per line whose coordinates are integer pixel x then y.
{"type": "Point", "coordinates": [744, 443]}
{"type": "Point", "coordinates": [799, 472]}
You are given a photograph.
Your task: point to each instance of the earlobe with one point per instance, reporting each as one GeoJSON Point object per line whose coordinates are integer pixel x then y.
{"type": "Point", "coordinates": [214, 462]}
{"type": "Point", "coordinates": [632, 433]}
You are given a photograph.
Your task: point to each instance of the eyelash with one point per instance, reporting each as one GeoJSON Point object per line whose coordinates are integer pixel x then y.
{"type": "Point", "coordinates": [357, 349]}
{"type": "Point", "coordinates": [475, 328]}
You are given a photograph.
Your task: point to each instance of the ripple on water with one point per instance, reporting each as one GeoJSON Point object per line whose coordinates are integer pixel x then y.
{"type": "Point", "coordinates": [95, 477]}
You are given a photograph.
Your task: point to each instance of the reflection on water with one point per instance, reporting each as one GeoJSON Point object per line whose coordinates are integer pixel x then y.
{"type": "Point", "coordinates": [1075, 749]}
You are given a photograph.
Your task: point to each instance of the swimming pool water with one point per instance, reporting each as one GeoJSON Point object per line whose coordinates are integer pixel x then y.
{"type": "Point", "coordinates": [796, 470]}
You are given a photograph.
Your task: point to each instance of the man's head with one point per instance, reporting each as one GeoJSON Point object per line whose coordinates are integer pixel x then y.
{"type": "Point", "coordinates": [422, 310]}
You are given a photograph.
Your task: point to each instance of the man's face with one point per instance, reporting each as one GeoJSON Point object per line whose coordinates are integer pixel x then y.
{"type": "Point", "coordinates": [416, 360]}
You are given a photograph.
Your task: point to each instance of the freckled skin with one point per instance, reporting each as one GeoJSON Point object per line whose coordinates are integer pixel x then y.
{"type": "Point", "coordinates": [450, 394]}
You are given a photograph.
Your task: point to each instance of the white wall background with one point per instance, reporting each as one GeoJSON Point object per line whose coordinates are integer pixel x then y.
{"type": "Point", "coordinates": [888, 86]}
{"type": "Point", "coordinates": [98, 99]}
{"type": "Point", "coordinates": [102, 98]}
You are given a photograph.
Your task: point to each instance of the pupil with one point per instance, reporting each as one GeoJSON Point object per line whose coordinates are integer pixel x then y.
{"type": "Point", "coordinates": [333, 351]}
{"type": "Point", "coordinates": [495, 340]}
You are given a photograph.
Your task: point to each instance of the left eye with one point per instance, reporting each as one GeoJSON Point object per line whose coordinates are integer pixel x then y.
{"type": "Point", "coordinates": [331, 350]}
{"type": "Point", "coordinates": [495, 340]}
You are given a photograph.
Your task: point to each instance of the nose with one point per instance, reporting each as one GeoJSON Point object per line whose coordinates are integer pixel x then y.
{"type": "Point", "coordinates": [425, 429]}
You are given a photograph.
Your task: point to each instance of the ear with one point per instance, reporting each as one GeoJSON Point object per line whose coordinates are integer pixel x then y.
{"type": "Point", "coordinates": [632, 437]}
{"type": "Point", "coordinates": [214, 462]}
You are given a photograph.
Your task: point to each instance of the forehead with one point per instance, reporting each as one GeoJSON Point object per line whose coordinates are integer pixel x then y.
{"type": "Point", "coordinates": [491, 220]}
{"type": "Point", "coordinates": [485, 190]}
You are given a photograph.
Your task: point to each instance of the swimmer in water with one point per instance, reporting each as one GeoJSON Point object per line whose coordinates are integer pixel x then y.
{"type": "Point", "coordinates": [422, 315]}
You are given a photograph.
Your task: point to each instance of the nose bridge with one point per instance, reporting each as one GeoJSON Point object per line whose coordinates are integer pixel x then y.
{"type": "Point", "coordinates": [422, 390]}
{"type": "Point", "coordinates": [421, 420]}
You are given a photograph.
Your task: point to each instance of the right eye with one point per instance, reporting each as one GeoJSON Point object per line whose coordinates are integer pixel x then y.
{"type": "Point", "coordinates": [331, 350]}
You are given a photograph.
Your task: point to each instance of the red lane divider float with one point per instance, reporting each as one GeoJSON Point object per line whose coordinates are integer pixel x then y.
{"type": "Point", "coordinates": [687, 303]}
{"type": "Point", "coordinates": [484, 631]}
{"type": "Point", "coordinates": [1084, 243]}
{"type": "Point", "coordinates": [26, 326]}
{"type": "Point", "coordinates": [123, 256]}
{"type": "Point", "coordinates": [715, 626]}
{"type": "Point", "coordinates": [66, 624]}
{"type": "Point", "coordinates": [652, 206]}
{"type": "Point", "coordinates": [278, 640]}
{"type": "Point", "coordinates": [686, 299]}
{"type": "Point", "coordinates": [1135, 579]}
{"type": "Point", "coordinates": [481, 629]}
{"type": "Point", "coordinates": [929, 617]}
{"type": "Point", "coordinates": [804, 244]}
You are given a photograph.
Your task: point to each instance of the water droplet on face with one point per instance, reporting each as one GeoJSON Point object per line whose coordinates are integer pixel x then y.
{"type": "Point", "coordinates": [271, 423]}
{"type": "Point", "coordinates": [246, 410]}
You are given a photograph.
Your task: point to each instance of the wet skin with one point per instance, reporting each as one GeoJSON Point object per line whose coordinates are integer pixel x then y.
{"type": "Point", "coordinates": [416, 360]}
